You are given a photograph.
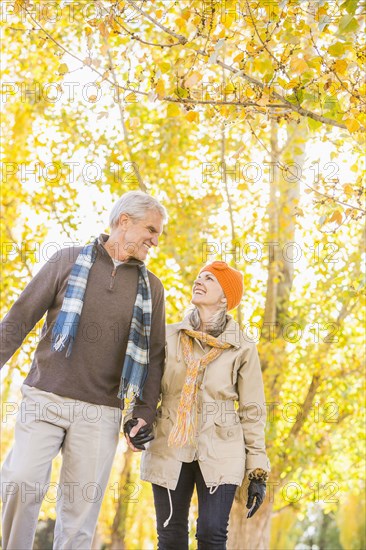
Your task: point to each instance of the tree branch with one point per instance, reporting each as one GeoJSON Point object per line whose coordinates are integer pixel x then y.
{"type": "Point", "coordinates": [297, 108]}
{"type": "Point", "coordinates": [288, 169]}
{"type": "Point", "coordinates": [124, 129]}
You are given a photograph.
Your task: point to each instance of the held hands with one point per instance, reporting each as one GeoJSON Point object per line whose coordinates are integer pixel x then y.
{"type": "Point", "coordinates": [137, 433]}
{"type": "Point", "coordinates": [257, 491]}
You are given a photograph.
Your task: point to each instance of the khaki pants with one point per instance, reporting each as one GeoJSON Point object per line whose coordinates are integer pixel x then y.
{"type": "Point", "coordinates": [87, 435]}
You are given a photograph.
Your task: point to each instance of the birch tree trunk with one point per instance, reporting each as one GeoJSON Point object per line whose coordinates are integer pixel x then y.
{"type": "Point", "coordinates": [254, 533]}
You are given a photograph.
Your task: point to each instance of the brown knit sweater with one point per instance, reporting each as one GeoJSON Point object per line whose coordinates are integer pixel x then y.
{"type": "Point", "coordinates": [92, 373]}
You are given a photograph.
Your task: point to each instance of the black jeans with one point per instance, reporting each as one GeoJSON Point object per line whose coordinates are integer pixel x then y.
{"type": "Point", "coordinates": [213, 512]}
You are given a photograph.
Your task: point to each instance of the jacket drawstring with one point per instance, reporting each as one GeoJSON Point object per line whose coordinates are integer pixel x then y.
{"type": "Point", "coordinates": [215, 487]}
{"type": "Point", "coordinates": [178, 346]}
{"type": "Point", "coordinates": [166, 522]}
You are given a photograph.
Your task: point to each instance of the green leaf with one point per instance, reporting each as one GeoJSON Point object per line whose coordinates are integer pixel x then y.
{"type": "Point", "coordinates": [314, 124]}
{"type": "Point", "coordinates": [350, 6]}
{"type": "Point", "coordinates": [181, 92]}
{"type": "Point", "coordinates": [348, 23]}
{"type": "Point", "coordinates": [337, 49]}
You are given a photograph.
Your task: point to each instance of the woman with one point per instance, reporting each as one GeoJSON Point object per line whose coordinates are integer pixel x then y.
{"type": "Point", "coordinates": [200, 437]}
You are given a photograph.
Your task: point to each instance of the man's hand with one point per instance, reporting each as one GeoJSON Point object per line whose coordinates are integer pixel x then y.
{"type": "Point", "coordinates": [137, 433]}
{"type": "Point", "coordinates": [257, 491]}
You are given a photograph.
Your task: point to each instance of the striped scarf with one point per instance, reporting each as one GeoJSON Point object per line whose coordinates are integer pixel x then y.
{"type": "Point", "coordinates": [184, 428]}
{"type": "Point", "coordinates": [64, 332]}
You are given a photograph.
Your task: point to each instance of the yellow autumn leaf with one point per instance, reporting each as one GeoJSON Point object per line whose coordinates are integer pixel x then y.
{"type": "Point", "coordinates": [160, 88]}
{"type": "Point", "coordinates": [336, 217]}
{"type": "Point", "coordinates": [193, 116]}
{"type": "Point", "coordinates": [238, 57]}
{"type": "Point", "coordinates": [362, 89]}
{"type": "Point", "coordinates": [340, 66]}
{"type": "Point", "coordinates": [181, 23]}
{"type": "Point", "coordinates": [229, 88]}
{"type": "Point", "coordinates": [103, 29]}
{"type": "Point", "coordinates": [63, 68]}
{"type": "Point", "coordinates": [173, 110]}
{"type": "Point", "coordinates": [298, 64]}
{"type": "Point", "coordinates": [352, 125]}
{"type": "Point", "coordinates": [193, 79]}
{"type": "Point", "coordinates": [131, 98]}
{"type": "Point", "coordinates": [314, 62]}
{"type": "Point", "coordinates": [348, 189]}
{"type": "Point", "coordinates": [164, 66]}
{"type": "Point", "coordinates": [228, 20]}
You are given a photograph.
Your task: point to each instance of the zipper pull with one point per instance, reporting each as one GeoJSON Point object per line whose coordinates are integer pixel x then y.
{"type": "Point", "coordinates": [112, 278]}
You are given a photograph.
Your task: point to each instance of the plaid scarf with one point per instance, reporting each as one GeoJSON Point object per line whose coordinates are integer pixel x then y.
{"type": "Point", "coordinates": [64, 332]}
{"type": "Point", "coordinates": [184, 428]}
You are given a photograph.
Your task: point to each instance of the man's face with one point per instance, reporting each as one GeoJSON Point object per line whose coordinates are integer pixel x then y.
{"type": "Point", "coordinates": [140, 235]}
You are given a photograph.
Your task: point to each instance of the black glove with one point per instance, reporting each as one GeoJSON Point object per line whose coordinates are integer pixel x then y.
{"type": "Point", "coordinates": [257, 490]}
{"type": "Point", "coordinates": [143, 435]}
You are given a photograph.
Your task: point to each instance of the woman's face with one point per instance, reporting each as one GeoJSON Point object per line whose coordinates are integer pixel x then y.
{"type": "Point", "coordinates": [207, 290]}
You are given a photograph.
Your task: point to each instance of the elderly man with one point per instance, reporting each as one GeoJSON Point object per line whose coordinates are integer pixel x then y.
{"type": "Point", "coordinates": [103, 340]}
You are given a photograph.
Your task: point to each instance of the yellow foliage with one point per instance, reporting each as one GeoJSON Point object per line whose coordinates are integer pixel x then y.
{"type": "Point", "coordinates": [299, 64]}
{"type": "Point", "coordinates": [351, 520]}
{"type": "Point", "coordinates": [181, 23]}
{"type": "Point", "coordinates": [173, 109]}
{"type": "Point", "coordinates": [160, 88]}
{"type": "Point", "coordinates": [340, 65]}
{"type": "Point", "coordinates": [283, 536]}
{"type": "Point", "coordinates": [63, 68]}
{"type": "Point", "coordinates": [193, 116]}
{"type": "Point", "coordinates": [352, 124]}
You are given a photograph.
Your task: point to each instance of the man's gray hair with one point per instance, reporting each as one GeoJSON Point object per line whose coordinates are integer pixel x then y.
{"type": "Point", "coordinates": [135, 204]}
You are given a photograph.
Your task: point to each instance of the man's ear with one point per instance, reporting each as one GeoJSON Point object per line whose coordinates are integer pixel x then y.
{"type": "Point", "coordinates": [123, 221]}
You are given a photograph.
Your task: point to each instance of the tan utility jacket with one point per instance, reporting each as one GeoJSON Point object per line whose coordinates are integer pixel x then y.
{"type": "Point", "coordinates": [231, 413]}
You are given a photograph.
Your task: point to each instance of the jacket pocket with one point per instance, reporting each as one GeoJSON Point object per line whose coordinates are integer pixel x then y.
{"type": "Point", "coordinates": [227, 439]}
{"type": "Point", "coordinates": [163, 423]}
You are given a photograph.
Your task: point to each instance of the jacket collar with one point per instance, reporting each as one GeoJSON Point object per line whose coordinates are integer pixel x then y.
{"type": "Point", "coordinates": [231, 334]}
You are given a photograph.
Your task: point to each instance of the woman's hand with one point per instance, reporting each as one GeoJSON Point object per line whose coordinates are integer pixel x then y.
{"type": "Point", "coordinates": [137, 433]}
{"type": "Point", "coordinates": [257, 491]}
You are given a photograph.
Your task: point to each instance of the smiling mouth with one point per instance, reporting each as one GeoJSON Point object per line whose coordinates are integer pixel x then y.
{"type": "Point", "coordinates": [199, 291]}
{"type": "Point", "coordinates": [147, 246]}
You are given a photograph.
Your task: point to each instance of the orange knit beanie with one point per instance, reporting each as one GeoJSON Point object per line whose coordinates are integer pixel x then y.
{"type": "Point", "coordinates": [231, 282]}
